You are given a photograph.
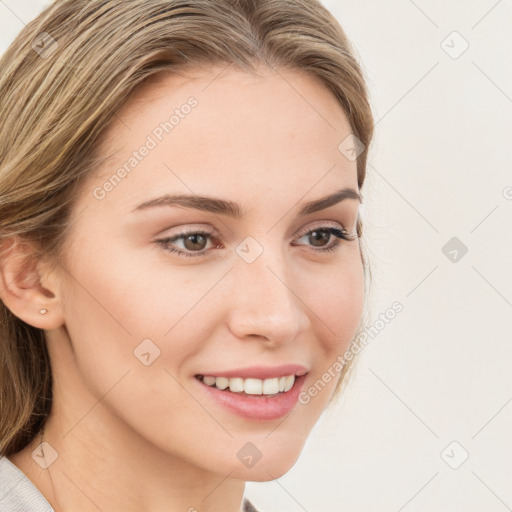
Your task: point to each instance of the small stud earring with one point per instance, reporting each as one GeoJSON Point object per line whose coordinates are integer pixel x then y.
{"type": "Point", "coordinates": [43, 311]}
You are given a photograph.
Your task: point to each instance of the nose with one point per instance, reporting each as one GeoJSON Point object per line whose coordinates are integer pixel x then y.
{"type": "Point", "coordinates": [266, 302]}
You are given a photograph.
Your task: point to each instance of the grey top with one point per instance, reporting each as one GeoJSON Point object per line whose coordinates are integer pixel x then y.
{"type": "Point", "coordinates": [19, 494]}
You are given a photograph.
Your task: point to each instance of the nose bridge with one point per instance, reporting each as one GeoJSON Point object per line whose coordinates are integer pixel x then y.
{"type": "Point", "coordinates": [265, 303]}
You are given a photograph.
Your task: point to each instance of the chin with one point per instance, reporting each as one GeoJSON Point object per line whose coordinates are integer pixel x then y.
{"type": "Point", "coordinates": [268, 467]}
{"type": "Point", "coordinates": [266, 474]}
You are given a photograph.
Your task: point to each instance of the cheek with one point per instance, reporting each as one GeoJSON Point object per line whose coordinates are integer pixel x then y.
{"type": "Point", "coordinates": [350, 300]}
{"type": "Point", "coordinates": [107, 315]}
{"type": "Point", "coordinates": [338, 310]}
{"type": "Point", "coordinates": [338, 302]}
{"type": "Point", "coordinates": [111, 333]}
{"type": "Point", "coordinates": [114, 305]}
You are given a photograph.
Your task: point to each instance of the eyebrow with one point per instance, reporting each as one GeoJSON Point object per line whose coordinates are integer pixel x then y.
{"type": "Point", "coordinates": [231, 209]}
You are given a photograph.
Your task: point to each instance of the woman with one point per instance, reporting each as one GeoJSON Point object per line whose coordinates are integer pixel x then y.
{"type": "Point", "coordinates": [182, 269]}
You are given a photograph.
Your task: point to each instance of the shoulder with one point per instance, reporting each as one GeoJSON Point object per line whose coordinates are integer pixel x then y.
{"type": "Point", "coordinates": [17, 492]}
{"type": "Point", "coordinates": [248, 506]}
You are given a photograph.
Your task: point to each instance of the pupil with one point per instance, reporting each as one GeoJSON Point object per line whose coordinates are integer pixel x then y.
{"type": "Point", "coordinates": [195, 243]}
{"type": "Point", "coordinates": [323, 236]}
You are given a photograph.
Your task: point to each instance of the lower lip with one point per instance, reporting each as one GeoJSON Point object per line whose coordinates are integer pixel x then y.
{"type": "Point", "coordinates": [257, 407]}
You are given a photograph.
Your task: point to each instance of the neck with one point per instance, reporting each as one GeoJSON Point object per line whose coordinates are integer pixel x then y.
{"type": "Point", "coordinates": [105, 475]}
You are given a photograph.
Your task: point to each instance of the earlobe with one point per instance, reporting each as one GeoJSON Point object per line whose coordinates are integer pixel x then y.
{"type": "Point", "coordinates": [29, 293]}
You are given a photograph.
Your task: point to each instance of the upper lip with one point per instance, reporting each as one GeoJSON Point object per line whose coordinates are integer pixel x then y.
{"type": "Point", "coordinates": [260, 372]}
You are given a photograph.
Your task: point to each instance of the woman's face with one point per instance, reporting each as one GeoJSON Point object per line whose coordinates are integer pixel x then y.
{"type": "Point", "coordinates": [160, 291]}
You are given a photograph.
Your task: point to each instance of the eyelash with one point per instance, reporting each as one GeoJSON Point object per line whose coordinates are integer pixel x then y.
{"type": "Point", "coordinates": [341, 234]}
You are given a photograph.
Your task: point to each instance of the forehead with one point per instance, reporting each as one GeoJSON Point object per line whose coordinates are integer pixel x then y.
{"type": "Point", "coordinates": [230, 130]}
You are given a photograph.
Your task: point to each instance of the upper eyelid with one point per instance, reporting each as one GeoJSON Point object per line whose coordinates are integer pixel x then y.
{"type": "Point", "coordinates": [322, 224]}
{"type": "Point", "coordinates": [214, 232]}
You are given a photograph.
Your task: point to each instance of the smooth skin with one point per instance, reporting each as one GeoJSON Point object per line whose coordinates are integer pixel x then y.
{"type": "Point", "coordinates": [132, 437]}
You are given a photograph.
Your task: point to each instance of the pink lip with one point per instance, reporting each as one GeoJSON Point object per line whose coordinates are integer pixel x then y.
{"type": "Point", "coordinates": [256, 407]}
{"type": "Point", "coordinates": [260, 372]}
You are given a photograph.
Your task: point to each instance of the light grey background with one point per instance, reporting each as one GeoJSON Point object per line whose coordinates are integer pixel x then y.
{"type": "Point", "coordinates": [440, 167]}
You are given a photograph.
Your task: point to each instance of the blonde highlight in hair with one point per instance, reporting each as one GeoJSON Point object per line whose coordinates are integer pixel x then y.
{"type": "Point", "coordinates": [54, 109]}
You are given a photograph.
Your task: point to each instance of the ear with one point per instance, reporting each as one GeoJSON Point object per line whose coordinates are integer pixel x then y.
{"type": "Point", "coordinates": [27, 288]}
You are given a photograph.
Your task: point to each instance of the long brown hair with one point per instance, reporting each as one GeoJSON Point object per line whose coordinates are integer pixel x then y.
{"type": "Point", "coordinates": [63, 80]}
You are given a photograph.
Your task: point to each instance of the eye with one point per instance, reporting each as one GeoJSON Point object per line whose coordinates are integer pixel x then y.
{"type": "Point", "coordinates": [319, 235]}
{"type": "Point", "coordinates": [194, 243]}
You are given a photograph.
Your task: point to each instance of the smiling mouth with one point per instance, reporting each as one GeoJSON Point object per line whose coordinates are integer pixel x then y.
{"type": "Point", "coordinates": [267, 387]}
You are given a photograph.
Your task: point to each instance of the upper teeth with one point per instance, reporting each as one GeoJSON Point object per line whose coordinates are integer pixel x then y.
{"type": "Point", "coordinates": [252, 386]}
